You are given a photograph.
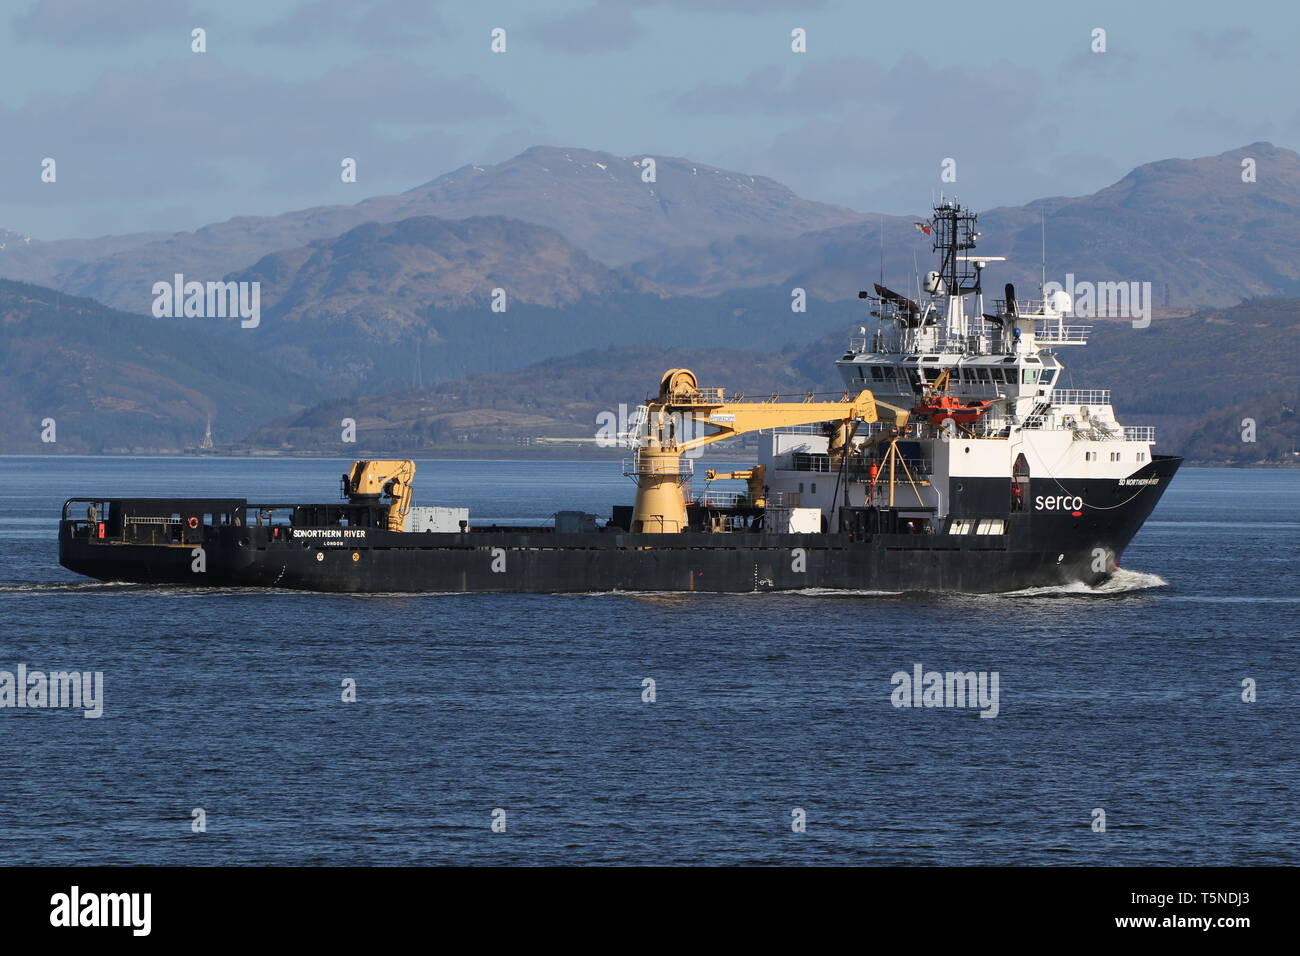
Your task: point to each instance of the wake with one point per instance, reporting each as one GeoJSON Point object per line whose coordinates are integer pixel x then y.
{"type": "Point", "coordinates": [1121, 582]}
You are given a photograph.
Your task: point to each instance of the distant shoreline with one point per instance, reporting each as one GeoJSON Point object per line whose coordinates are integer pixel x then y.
{"type": "Point", "coordinates": [496, 455]}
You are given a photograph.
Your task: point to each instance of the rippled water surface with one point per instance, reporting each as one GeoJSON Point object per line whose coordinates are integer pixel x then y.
{"type": "Point", "coordinates": [1126, 698]}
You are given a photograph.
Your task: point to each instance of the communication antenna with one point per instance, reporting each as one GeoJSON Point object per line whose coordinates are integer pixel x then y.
{"type": "Point", "coordinates": [1042, 227]}
{"type": "Point", "coordinates": [882, 248]}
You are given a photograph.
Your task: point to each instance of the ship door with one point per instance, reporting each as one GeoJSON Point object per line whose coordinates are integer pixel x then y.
{"type": "Point", "coordinates": [1019, 483]}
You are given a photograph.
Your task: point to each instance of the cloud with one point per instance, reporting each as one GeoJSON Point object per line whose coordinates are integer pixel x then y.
{"type": "Point", "coordinates": [1220, 44]}
{"type": "Point", "coordinates": [100, 22]}
{"type": "Point", "coordinates": [374, 24]}
{"type": "Point", "coordinates": [840, 126]}
{"type": "Point", "coordinates": [609, 25]}
{"type": "Point", "coordinates": [605, 26]}
{"type": "Point", "coordinates": [1108, 65]}
{"type": "Point", "coordinates": [1235, 125]}
{"type": "Point", "coordinates": [912, 94]}
{"type": "Point", "coordinates": [735, 6]}
{"type": "Point", "coordinates": [199, 124]}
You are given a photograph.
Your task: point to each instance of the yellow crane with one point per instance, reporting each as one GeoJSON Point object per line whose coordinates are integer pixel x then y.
{"type": "Point", "coordinates": [753, 478]}
{"type": "Point", "coordinates": [659, 468]}
{"type": "Point", "coordinates": [372, 481]}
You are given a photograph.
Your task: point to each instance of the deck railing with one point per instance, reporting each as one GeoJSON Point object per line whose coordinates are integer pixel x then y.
{"type": "Point", "coordinates": [681, 467]}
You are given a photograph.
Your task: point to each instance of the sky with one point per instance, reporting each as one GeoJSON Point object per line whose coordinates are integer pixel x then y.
{"type": "Point", "coordinates": [148, 134]}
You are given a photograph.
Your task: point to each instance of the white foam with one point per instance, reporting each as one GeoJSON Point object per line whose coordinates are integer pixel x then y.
{"type": "Point", "coordinates": [1121, 582]}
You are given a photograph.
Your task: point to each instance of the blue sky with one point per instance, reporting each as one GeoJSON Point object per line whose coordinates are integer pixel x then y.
{"type": "Point", "coordinates": [148, 135]}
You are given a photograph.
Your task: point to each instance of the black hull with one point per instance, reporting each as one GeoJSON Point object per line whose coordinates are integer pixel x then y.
{"type": "Point", "coordinates": [552, 566]}
{"type": "Point", "coordinates": [1040, 548]}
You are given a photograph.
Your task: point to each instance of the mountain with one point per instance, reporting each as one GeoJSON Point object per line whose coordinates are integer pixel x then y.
{"type": "Point", "coordinates": [413, 300]}
{"type": "Point", "coordinates": [31, 260]}
{"type": "Point", "coordinates": [602, 204]}
{"type": "Point", "coordinates": [1192, 228]}
{"type": "Point", "coordinates": [382, 276]}
{"type": "Point", "coordinates": [597, 200]}
{"type": "Point", "coordinates": [1195, 378]}
{"type": "Point", "coordinates": [556, 398]}
{"type": "Point", "coordinates": [115, 382]}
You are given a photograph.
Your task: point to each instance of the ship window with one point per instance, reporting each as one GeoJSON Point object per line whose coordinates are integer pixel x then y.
{"type": "Point", "coordinates": [801, 487]}
{"type": "Point", "coordinates": [990, 526]}
{"type": "Point", "coordinates": [1089, 456]}
{"type": "Point", "coordinates": [876, 374]}
{"type": "Point", "coordinates": [814, 487]}
{"type": "Point", "coordinates": [930, 358]}
{"type": "Point", "coordinates": [1049, 374]}
{"type": "Point", "coordinates": [983, 375]}
{"type": "Point", "coordinates": [1029, 376]}
{"type": "Point", "coordinates": [961, 525]}
{"type": "Point", "coordinates": [888, 373]}
{"type": "Point", "coordinates": [1142, 456]}
{"type": "Point", "coordinates": [1030, 358]}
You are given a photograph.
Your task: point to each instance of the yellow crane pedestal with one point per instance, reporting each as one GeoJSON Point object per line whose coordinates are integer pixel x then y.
{"type": "Point", "coordinates": [660, 503]}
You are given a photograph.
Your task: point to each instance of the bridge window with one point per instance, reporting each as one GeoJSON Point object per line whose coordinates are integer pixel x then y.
{"type": "Point", "coordinates": [1029, 376]}
{"type": "Point", "coordinates": [990, 526]}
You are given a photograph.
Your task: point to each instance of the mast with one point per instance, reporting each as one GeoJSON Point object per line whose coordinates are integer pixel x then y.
{"type": "Point", "coordinates": [954, 234]}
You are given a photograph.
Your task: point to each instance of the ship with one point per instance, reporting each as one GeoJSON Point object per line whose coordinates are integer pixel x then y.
{"type": "Point", "coordinates": [955, 459]}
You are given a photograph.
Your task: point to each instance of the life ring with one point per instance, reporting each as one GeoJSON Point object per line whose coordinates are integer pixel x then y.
{"type": "Point", "coordinates": [193, 522]}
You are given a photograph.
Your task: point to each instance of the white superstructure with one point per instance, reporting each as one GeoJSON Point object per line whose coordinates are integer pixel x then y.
{"type": "Point", "coordinates": [1032, 426]}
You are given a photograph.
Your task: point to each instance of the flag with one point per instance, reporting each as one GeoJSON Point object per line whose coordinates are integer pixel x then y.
{"type": "Point", "coordinates": [922, 227]}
